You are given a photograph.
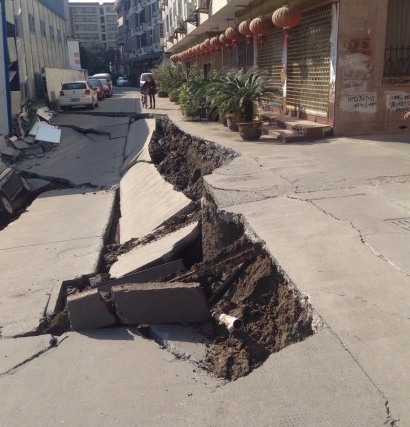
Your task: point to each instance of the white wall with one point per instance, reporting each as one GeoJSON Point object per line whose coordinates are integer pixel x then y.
{"type": "Point", "coordinates": [56, 76]}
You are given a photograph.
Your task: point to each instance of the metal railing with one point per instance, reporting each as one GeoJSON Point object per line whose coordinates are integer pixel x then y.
{"type": "Point", "coordinates": [397, 61]}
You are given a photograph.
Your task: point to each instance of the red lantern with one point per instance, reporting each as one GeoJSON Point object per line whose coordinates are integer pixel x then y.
{"type": "Point", "coordinates": [173, 58]}
{"type": "Point", "coordinates": [286, 17]}
{"type": "Point", "coordinates": [232, 33]}
{"type": "Point", "coordinates": [207, 44]}
{"type": "Point", "coordinates": [261, 26]}
{"type": "Point", "coordinates": [224, 40]}
{"type": "Point", "coordinates": [244, 29]}
{"type": "Point", "coordinates": [215, 43]}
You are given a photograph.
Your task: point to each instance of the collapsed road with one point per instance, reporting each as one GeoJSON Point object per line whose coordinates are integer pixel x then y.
{"type": "Point", "coordinates": [201, 244]}
{"type": "Point", "coordinates": [161, 197]}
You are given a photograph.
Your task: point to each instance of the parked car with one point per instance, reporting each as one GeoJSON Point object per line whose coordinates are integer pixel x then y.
{"type": "Point", "coordinates": [122, 81]}
{"type": "Point", "coordinates": [98, 87]}
{"type": "Point", "coordinates": [144, 77]}
{"type": "Point", "coordinates": [77, 93]}
{"type": "Point", "coordinates": [107, 88]}
{"type": "Point", "coordinates": [13, 187]}
{"type": "Point", "coordinates": [106, 76]}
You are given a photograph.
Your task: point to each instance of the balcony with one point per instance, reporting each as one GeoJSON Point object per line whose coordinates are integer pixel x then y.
{"type": "Point", "coordinates": [203, 6]}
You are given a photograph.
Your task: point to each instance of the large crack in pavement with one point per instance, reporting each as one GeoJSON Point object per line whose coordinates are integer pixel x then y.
{"type": "Point", "coordinates": [54, 342]}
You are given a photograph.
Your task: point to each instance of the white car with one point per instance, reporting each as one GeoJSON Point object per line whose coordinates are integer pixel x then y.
{"type": "Point", "coordinates": [122, 81]}
{"type": "Point", "coordinates": [78, 93]}
{"type": "Point", "coordinates": [144, 77]}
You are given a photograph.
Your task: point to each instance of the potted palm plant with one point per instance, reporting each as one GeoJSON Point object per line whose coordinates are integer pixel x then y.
{"type": "Point", "coordinates": [238, 92]}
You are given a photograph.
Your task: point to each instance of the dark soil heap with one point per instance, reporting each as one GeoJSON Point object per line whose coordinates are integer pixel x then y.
{"type": "Point", "coordinates": [237, 275]}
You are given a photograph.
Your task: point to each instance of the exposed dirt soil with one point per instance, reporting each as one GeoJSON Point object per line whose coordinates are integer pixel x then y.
{"type": "Point", "coordinates": [237, 275]}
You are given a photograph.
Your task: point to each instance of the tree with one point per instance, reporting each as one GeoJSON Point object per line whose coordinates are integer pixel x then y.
{"type": "Point", "coordinates": [94, 57]}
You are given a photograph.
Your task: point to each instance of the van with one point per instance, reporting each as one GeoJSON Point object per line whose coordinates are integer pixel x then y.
{"type": "Point", "coordinates": [106, 76]}
{"type": "Point", "coordinates": [144, 77]}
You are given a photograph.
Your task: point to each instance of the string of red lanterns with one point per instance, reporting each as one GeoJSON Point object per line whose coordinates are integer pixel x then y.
{"type": "Point", "coordinates": [285, 17]}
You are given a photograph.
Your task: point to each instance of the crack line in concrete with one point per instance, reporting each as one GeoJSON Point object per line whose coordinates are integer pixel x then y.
{"type": "Point", "coordinates": [54, 343]}
{"type": "Point", "coordinates": [50, 242]}
{"type": "Point", "coordinates": [389, 420]}
{"type": "Point", "coordinates": [360, 234]}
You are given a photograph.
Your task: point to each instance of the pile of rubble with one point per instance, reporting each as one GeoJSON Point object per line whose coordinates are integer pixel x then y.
{"type": "Point", "coordinates": [41, 138]}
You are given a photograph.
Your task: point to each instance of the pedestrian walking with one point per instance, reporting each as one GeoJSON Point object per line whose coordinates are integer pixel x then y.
{"type": "Point", "coordinates": [151, 87]}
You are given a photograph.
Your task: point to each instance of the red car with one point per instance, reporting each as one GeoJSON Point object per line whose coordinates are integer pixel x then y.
{"type": "Point", "coordinates": [98, 87]}
{"type": "Point", "coordinates": [106, 87]}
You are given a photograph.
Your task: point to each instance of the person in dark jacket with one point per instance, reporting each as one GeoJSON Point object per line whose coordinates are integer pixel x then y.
{"type": "Point", "coordinates": [151, 87]}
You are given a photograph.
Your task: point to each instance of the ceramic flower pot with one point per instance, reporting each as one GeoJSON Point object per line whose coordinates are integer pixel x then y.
{"type": "Point", "coordinates": [250, 131]}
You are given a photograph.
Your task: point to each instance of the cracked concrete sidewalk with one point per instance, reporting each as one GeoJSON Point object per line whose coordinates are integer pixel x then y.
{"type": "Point", "coordinates": [306, 203]}
{"type": "Point", "coordinates": [335, 216]}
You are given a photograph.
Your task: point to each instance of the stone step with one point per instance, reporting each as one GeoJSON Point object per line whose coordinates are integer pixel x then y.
{"type": "Point", "coordinates": [283, 135]}
{"type": "Point", "coordinates": [309, 129]}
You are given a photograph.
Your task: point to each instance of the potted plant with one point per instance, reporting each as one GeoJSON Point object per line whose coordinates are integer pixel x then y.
{"type": "Point", "coordinates": [237, 93]}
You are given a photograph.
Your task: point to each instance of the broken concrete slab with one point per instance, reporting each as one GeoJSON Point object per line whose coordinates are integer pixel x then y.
{"type": "Point", "coordinates": [14, 352]}
{"type": "Point", "coordinates": [139, 136]}
{"type": "Point", "coordinates": [148, 275]}
{"type": "Point", "coordinates": [57, 234]}
{"type": "Point", "coordinates": [147, 200]}
{"type": "Point", "coordinates": [37, 184]}
{"type": "Point", "coordinates": [116, 131]}
{"type": "Point", "coordinates": [48, 133]}
{"type": "Point", "coordinates": [45, 113]}
{"type": "Point", "coordinates": [142, 303]}
{"type": "Point", "coordinates": [159, 251]}
{"type": "Point", "coordinates": [81, 160]}
{"type": "Point", "coordinates": [87, 310]}
{"type": "Point", "coordinates": [10, 153]}
{"type": "Point", "coordinates": [19, 144]}
{"type": "Point", "coordinates": [140, 133]}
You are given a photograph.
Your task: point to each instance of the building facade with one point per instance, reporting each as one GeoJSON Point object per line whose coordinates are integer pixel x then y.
{"type": "Point", "coordinates": [35, 32]}
{"type": "Point", "coordinates": [92, 21]}
{"type": "Point", "coordinates": [343, 63]}
{"type": "Point", "coordinates": [140, 34]}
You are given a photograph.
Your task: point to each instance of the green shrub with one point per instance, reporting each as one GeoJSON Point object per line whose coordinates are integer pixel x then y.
{"type": "Point", "coordinates": [169, 77]}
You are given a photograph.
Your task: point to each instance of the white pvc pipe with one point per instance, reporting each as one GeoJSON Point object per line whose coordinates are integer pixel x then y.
{"type": "Point", "coordinates": [232, 323]}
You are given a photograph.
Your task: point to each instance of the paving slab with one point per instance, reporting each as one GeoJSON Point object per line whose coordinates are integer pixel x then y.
{"type": "Point", "coordinates": [160, 302]}
{"type": "Point", "coordinates": [53, 241]}
{"type": "Point", "coordinates": [159, 251]}
{"type": "Point", "coordinates": [81, 159]}
{"type": "Point", "coordinates": [139, 136]}
{"type": "Point", "coordinates": [149, 275]}
{"type": "Point", "coordinates": [87, 310]}
{"type": "Point", "coordinates": [147, 200]}
{"type": "Point", "coordinates": [116, 131]}
{"type": "Point", "coordinates": [312, 383]}
{"type": "Point", "coordinates": [37, 184]}
{"type": "Point", "coordinates": [16, 351]}
{"type": "Point", "coordinates": [333, 273]}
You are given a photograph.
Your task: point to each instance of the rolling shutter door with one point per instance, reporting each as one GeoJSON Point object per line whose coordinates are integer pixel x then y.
{"type": "Point", "coordinates": [308, 70]}
{"type": "Point", "coordinates": [270, 57]}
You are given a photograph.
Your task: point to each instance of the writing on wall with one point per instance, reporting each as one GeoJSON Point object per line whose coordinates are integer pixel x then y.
{"type": "Point", "coordinates": [360, 102]}
{"type": "Point", "coordinates": [393, 81]}
{"type": "Point", "coordinates": [398, 102]}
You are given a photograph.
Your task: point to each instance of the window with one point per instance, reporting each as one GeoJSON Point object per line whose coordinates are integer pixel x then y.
{"type": "Point", "coordinates": [42, 27]}
{"type": "Point", "coordinates": [59, 35]}
{"type": "Point", "coordinates": [19, 26]}
{"type": "Point", "coordinates": [397, 51]}
{"type": "Point", "coordinates": [102, 20]}
{"type": "Point", "coordinates": [31, 23]}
